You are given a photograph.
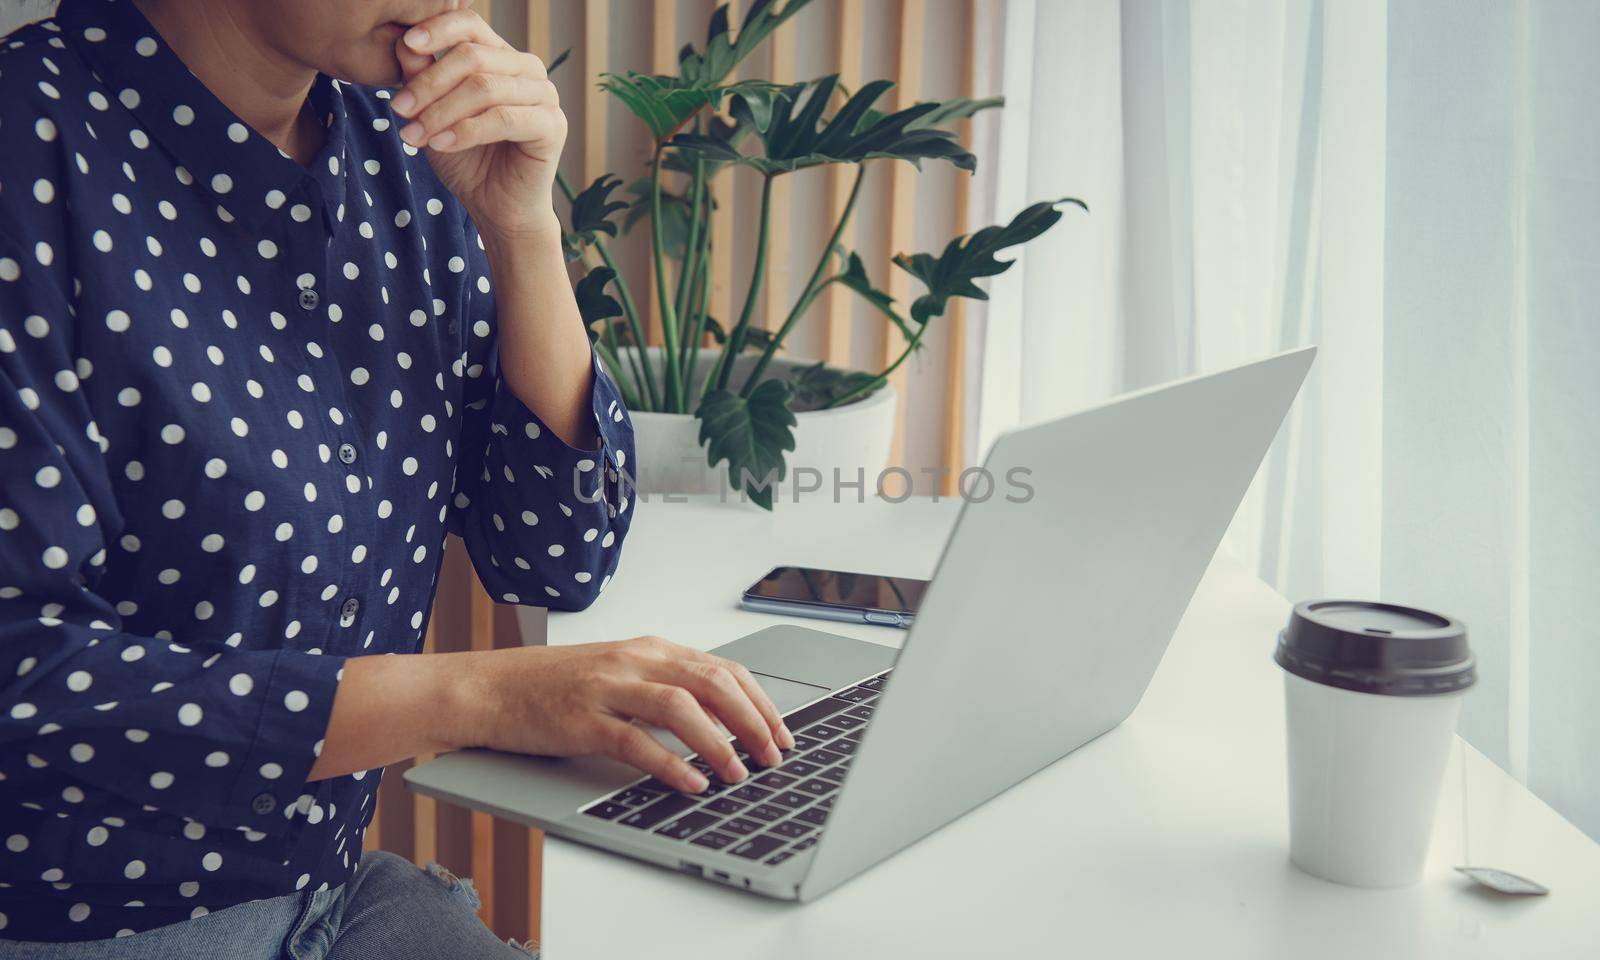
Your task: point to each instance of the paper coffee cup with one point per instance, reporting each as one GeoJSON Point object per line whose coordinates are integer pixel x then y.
{"type": "Point", "coordinates": [1373, 691]}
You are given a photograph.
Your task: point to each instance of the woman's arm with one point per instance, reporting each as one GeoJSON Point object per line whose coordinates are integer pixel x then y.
{"type": "Point", "coordinates": [544, 351]}
{"type": "Point", "coordinates": [553, 701]}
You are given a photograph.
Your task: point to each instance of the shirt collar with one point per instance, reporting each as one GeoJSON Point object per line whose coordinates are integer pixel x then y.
{"type": "Point", "coordinates": [245, 173]}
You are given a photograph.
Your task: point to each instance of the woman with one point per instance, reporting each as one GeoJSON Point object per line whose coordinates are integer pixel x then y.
{"type": "Point", "coordinates": [265, 338]}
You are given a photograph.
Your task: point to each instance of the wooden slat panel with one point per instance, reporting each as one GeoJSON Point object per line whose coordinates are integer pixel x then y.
{"type": "Point", "coordinates": [485, 9]}
{"type": "Point", "coordinates": [483, 865]}
{"type": "Point", "coordinates": [839, 300]}
{"type": "Point", "coordinates": [720, 302]}
{"type": "Point", "coordinates": [425, 825]}
{"type": "Point", "coordinates": [956, 320]}
{"type": "Point", "coordinates": [664, 37]}
{"type": "Point", "coordinates": [424, 822]}
{"type": "Point", "coordinates": [482, 632]}
{"type": "Point", "coordinates": [535, 891]}
{"type": "Point", "coordinates": [663, 59]}
{"type": "Point", "coordinates": [902, 218]}
{"type": "Point", "coordinates": [537, 41]}
{"type": "Point", "coordinates": [393, 831]}
{"type": "Point", "coordinates": [775, 288]}
{"type": "Point", "coordinates": [373, 838]}
{"type": "Point", "coordinates": [596, 42]}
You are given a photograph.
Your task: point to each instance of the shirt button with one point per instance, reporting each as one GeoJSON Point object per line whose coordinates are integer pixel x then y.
{"type": "Point", "coordinates": [347, 613]}
{"type": "Point", "coordinates": [264, 803]}
{"type": "Point", "coordinates": [347, 453]}
{"type": "Point", "coordinates": [309, 299]}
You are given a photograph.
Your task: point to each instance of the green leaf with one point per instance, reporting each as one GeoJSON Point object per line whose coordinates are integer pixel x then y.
{"type": "Point", "coordinates": [714, 149]}
{"type": "Point", "coordinates": [794, 134]}
{"type": "Point", "coordinates": [818, 385]}
{"type": "Point", "coordinates": [665, 104]}
{"type": "Point", "coordinates": [728, 136]}
{"type": "Point", "coordinates": [661, 102]}
{"type": "Point", "coordinates": [755, 339]}
{"type": "Point", "coordinates": [750, 434]}
{"type": "Point", "coordinates": [855, 277]}
{"type": "Point", "coordinates": [620, 332]}
{"type": "Point", "coordinates": [724, 52]}
{"type": "Point", "coordinates": [674, 216]}
{"type": "Point", "coordinates": [593, 207]}
{"type": "Point", "coordinates": [758, 104]}
{"type": "Point", "coordinates": [561, 58]}
{"type": "Point", "coordinates": [947, 111]}
{"type": "Point", "coordinates": [959, 109]}
{"type": "Point", "coordinates": [594, 304]}
{"type": "Point", "coordinates": [968, 257]}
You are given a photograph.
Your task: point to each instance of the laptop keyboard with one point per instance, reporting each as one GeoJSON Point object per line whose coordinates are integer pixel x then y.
{"type": "Point", "coordinates": [774, 813]}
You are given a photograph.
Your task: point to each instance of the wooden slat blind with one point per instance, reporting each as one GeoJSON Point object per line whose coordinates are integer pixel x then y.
{"type": "Point", "coordinates": [902, 219]}
{"type": "Point", "coordinates": [775, 288]}
{"type": "Point", "coordinates": [663, 60]}
{"type": "Point", "coordinates": [537, 40]}
{"type": "Point", "coordinates": [840, 301]}
{"type": "Point", "coordinates": [955, 381]}
{"type": "Point", "coordinates": [596, 43]}
{"type": "Point", "coordinates": [720, 302]}
{"type": "Point", "coordinates": [503, 858]}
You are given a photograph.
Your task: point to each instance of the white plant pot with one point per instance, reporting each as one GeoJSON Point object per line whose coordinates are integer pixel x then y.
{"type": "Point", "coordinates": [853, 440]}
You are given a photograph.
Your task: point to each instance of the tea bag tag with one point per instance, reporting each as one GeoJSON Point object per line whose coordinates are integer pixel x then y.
{"type": "Point", "coordinates": [1501, 881]}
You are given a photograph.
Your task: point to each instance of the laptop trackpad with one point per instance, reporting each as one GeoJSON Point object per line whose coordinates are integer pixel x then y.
{"type": "Point", "coordinates": [803, 656]}
{"type": "Point", "coordinates": [787, 694]}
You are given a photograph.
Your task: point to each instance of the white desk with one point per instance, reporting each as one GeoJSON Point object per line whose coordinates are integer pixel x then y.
{"type": "Point", "coordinates": [1166, 837]}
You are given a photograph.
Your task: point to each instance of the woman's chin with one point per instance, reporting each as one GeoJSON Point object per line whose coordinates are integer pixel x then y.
{"type": "Point", "coordinates": [375, 66]}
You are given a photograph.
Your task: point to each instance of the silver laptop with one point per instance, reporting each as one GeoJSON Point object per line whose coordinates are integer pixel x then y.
{"type": "Point", "coordinates": [1041, 630]}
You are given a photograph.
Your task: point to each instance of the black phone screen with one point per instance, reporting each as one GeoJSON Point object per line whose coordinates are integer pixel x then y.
{"type": "Point", "coordinates": [835, 588]}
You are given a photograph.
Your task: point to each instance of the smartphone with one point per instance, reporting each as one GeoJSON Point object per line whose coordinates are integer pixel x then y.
{"type": "Point", "coordinates": [837, 595]}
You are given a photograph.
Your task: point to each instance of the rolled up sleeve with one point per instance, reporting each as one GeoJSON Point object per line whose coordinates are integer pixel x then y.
{"type": "Point", "coordinates": [543, 521]}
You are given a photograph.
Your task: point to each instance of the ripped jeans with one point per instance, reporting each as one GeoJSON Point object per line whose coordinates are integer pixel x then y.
{"type": "Point", "coordinates": [389, 909]}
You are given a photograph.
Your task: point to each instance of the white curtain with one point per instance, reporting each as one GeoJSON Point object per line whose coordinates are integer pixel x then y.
{"type": "Point", "coordinates": [1414, 185]}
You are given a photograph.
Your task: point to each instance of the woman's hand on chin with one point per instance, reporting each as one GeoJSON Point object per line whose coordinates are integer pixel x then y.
{"type": "Point", "coordinates": [490, 120]}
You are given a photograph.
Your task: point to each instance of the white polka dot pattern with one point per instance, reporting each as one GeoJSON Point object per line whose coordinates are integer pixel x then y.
{"type": "Point", "coordinates": [242, 403]}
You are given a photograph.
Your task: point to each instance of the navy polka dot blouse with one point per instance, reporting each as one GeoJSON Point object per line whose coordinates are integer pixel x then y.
{"type": "Point", "coordinates": [242, 402]}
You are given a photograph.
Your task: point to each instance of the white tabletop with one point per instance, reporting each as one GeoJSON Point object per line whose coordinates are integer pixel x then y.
{"type": "Point", "coordinates": [1166, 837]}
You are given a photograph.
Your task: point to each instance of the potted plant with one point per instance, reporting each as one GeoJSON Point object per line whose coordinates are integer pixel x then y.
{"type": "Point", "coordinates": [718, 383]}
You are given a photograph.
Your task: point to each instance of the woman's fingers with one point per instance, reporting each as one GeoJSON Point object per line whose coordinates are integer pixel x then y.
{"type": "Point", "coordinates": [483, 95]}
{"type": "Point", "coordinates": [676, 709]}
{"type": "Point", "coordinates": [623, 741]}
{"type": "Point", "coordinates": [438, 78]}
{"type": "Point", "coordinates": [532, 129]}
{"type": "Point", "coordinates": [448, 29]}
{"type": "Point", "coordinates": [715, 686]}
{"type": "Point", "coordinates": [412, 63]}
{"type": "Point", "coordinates": [763, 703]}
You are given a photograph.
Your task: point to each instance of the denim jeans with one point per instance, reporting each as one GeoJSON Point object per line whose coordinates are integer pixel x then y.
{"type": "Point", "coordinates": [389, 910]}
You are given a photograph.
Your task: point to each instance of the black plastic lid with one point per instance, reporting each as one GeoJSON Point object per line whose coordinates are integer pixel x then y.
{"type": "Point", "coordinates": [1378, 648]}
